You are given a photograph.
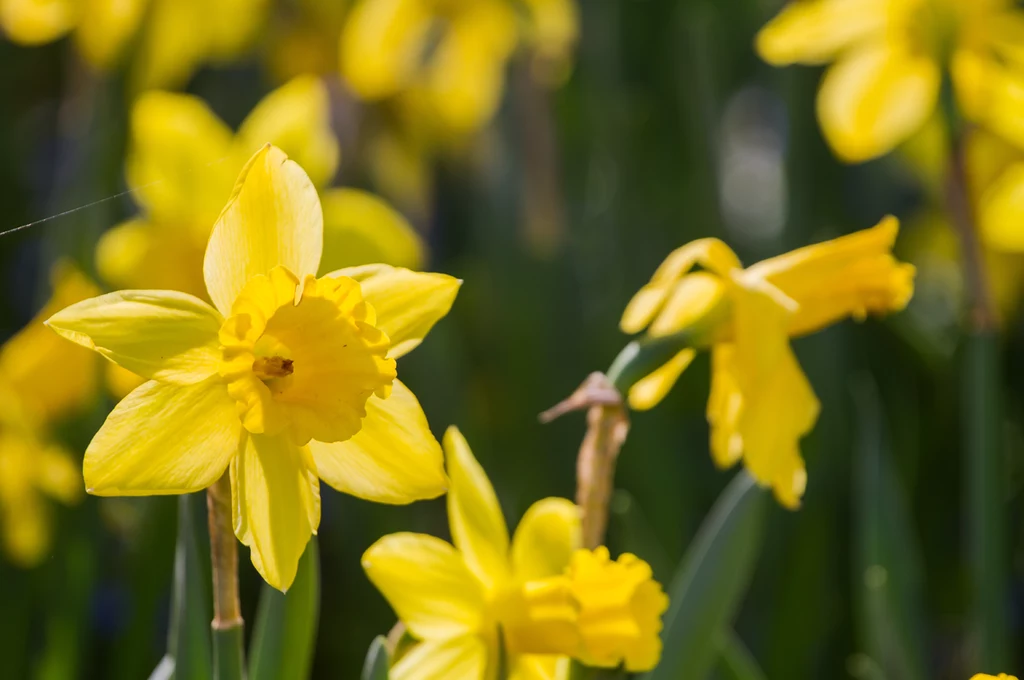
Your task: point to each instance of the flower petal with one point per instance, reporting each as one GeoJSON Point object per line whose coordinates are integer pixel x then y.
{"type": "Point", "coordinates": [297, 118]}
{"type": "Point", "coordinates": [276, 504]}
{"type": "Point", "coordinates": [31, 22]}
{"type": "Point", "coordinates": [52, 378]}
{"type": "Point", "coordinates": [381, 45]}
{"type": "Point", "coordinates": [427, 583]}
{"type": "Point", "coordinates": [1001, 211]}
{"type": "Point", "coordinates": [164, 439]}
{"type": "Point", "coordinates": [105, 27]}
{"type": "Point", "coordinates": [408, 303]}
{"type": "Point", "coordinates": [360, 228]}
{"type": "Point", "coordinates": [176, 162]}
{"type": "Point", "coordinates": [814, 31]}
{"type": "Point", "coordinates": [539, 667]}
{"type": "Point", "coordinates": [394, 458]}
{"type": "Point", "coordinates": [463, 657]}
{"type": "Point", "coordinates": [139, 254]}
{"type": "Point", "coordinates": [648, 392]}
{"type": "Point", "coordinates": [273, 218]}
{"type": "Point", "coordinates": [545, 539]}
{"type": "Point", "coordinates": [875, 98]}
{"type": "Point", "coordinates": [158, 334]}
{"type": "Point", "coordinates": [478, 527]}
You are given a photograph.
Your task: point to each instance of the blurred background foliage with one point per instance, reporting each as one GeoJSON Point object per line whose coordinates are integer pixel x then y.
{"type": "Point", "coordinates": [666, 128]}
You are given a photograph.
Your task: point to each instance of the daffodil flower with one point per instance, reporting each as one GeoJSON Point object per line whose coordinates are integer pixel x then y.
{"type": "Point", "coordinates": [44, 380]}
{"type": "Point", "coordinates": [175, 39]}
{"type": "Point", "coordinates": [460, 83]}
{"type": "Point", "coordinates": [1001, 676]}
{"type": "Point", "coordinates": [887, 60]}
{"type": "Point", "coordinates": [761, 403]}
{"type": "Point", "coordinates": [286, 380]}
{"type": "Point", "coordinates": [540, 597]}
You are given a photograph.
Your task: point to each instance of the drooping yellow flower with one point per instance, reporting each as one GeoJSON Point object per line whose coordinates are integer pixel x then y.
{"type": "Point", "coordinates": [176, 37]}
{"type": "Point", "coordinates": [549, 600]}
{"type": "Point", "coordinates": [887, 61]}
{"type": "Point", "coordinates": [761, 404]}
{"type": "Point", "coordinates": [448, 57]}
{"type": "Point", "coordinates": [287, 379]}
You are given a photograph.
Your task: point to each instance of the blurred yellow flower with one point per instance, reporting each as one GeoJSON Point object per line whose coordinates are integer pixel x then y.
{"type": "Point", "coordinates": [550, 600]}
{"type": "Point", "coordinates": [176, 37]}
{"type": "Point", "coordinates": [290, 378]}
{"type": "Point", "coordinates": [887, 60]}
{"type": "Point", "coordinates": [761, 404]}
{"type": "Point", "coordinates": [449, 57]}
{"type": "Point", "coordinates": [1001, 676]}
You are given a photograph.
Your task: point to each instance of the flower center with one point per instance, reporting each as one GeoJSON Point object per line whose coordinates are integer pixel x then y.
{"type": "Point", "coordinates": [304, 358]}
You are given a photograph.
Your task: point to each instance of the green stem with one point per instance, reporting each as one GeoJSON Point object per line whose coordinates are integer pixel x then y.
{"type": "Point", "coordinates": [228, 627]}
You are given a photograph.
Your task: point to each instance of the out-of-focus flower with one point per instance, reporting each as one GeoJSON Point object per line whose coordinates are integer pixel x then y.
{"type": "Point", "coordinates": [761, 403]}
{"type": "Point", "coordinates": [1001, 676]}
{"type": "Point", "coordinates": [550, 600]}
{"type": "Point", "coordinates": [449, 58]}
{"type": "Point", "coordinates": [176, 37]}
{"type": "Point", "coordinates": [887, 60]}
{"type": "Point", "coordinates": [290, 379]}
{"type": "Point", "coordinates": [44, 380]}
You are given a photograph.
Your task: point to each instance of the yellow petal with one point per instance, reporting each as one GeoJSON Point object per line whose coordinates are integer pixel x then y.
{"type": "Point", "coordinates": [164, 439]}
{"type": "Point", "coordinates": [478, 527]}
{"type": "Point", "coordinates": [815, 31]}
{"type": "Point", "coordinates": [539, 667]}
{"type": "Point", "coordinates": [709, 253]}
{"type": "Point", "coordinates": [158, 334]}
{"type": "Point", "coordinates": [463, 657]}
{"type": "Point", "coordinates": [427, 583]}
{"type": "Point", "coordinates": [121, 381]}
{"type": "Point", "coordinates": [990, 94]}
{"type": "Point", "coordinates": [381, 45]}
{"type": "Point", "coordinates": [52, 377]}
{"type": "Point", "coordinates": [295, 117]}
{"type": "Point", "coordinates": [58, 475]}
{"type": "Point", "coordinates": [139, 254]}
{"type": "Point", "coordinates": [875, 98]}
{"type": "Point", "coordinates": [394, 458]}
{"type": "Point", "coordinates": [105, 27]}
{"type": "Point", "coordinates": [408, 303]}
{"type": "Point", "coordinates": [545, 539]}
{"type": "Point", "coordinates": [34, 22]}
{"type": "Point", "coordinates": [851, 276]}
{"type": "Point", "coordinates": [27, 529]}
{"type": "Point", "coordinates": [231, 26]}
{"type": "Point", "coordinates": [648, 392]}
{"type": "Point", "coordinates": [360, 228]}
{"type": "Point", "coordinates": [276, 501]}
{"type": "Point", "coordinates": [1001, 211]}
{"type": "Point", "coordinates": [693, 300]}
{"type": "Point", "coordinates": [273, 218]}
{"type": "Point", "coordinates": [174, 43]}
{"type": "Point", "coordinates": [180, 161]}
{"type": "Point", "coordinates": [725, 403]}
{"type": "Point", "coordinates": [466, 76]}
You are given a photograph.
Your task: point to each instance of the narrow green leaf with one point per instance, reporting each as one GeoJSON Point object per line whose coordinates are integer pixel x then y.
{"type": "Point", "coordinates": [376, 665]}
{"type": "Point", "coordinates": [986, 496]}
{"type": "Point", "coordinates": [711, 581]}
{"type": "Point", "coordinates": [188, 643]}
{"type": "Point", "coordinates": [284, 635]}
{"type": "Point", "coordinates": [737, 663]}
{"type": "Point", "coordinates": [887, 569]}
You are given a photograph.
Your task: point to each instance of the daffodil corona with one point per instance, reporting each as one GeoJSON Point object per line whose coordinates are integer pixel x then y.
{"type": "Point", "coordinates": [541, 597]}
{"type": "Point", "coordinates": [888, 57]}
{"type": "Point", "coordinates": [286, 380]}
{"type": "Point", "coordinates": [761, 403]}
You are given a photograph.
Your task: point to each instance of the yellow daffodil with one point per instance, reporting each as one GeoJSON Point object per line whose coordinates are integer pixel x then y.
{"type": "Point", "coordinates": [44, 380]}
{"type": "Point", "coordinates": [448, 57]}
{"type": "Point", "coordinates": [287, 379]}
{"type": "Point", "coordinates": [761, 404]}
{"type": "Point", "coordinates": [887, 61]}
{"type": "Point", "coordinates": [176, 38]}
{"type": "Point", "coordinates": [540, 596]}
{"type": "Point", "coordinates": [1001, 676]}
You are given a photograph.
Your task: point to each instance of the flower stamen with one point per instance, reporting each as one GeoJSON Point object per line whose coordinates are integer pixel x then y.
{"type": "Point", "coordinates": [267, 368]}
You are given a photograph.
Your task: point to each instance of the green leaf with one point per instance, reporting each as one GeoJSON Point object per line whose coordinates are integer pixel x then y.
{"type": "Point", "coordinates": [887, 568]}
{"type": "Point", "coordinates": [737, 663]}
{"type": "Point", "coordinates": [711, 582]}
{"type": "Point", "coordinates": [188, 643]}
{"type": "Point", "coordinates": [376, 665]}
{"type": "Point", "coordinates": [284, 636]}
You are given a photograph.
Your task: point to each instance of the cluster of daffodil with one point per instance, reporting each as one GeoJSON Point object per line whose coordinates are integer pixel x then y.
{"type": "Point", "coordinates": [288, 379]}
{"type": "Point", "coordinates": [761, 403]}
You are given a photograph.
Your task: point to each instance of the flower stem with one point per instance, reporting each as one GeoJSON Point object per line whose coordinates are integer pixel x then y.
{"type": "Point", "coordinates": [982, 422]}
{"type": "Point", "coordinates": [228, 627]}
